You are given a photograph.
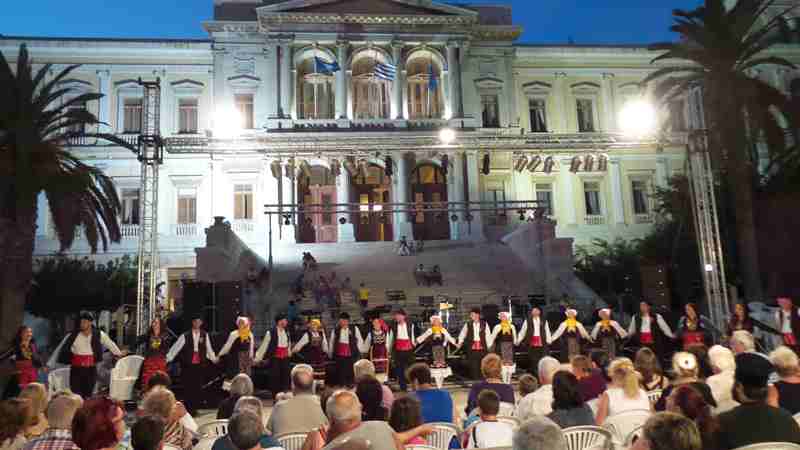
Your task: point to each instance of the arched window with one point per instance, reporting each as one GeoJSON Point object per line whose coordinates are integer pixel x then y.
{"type": "Point", "coordinates": [371, 94]}
{"type": "Point", "coordinates": [373, 175]}
{"type": "Point", "coordinates": [424, 86]}
{"type": "Point", "coordinates": [315, 94]}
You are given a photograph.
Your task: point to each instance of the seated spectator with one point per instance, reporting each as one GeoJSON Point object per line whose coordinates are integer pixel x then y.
{"type": "Point", "coordinates": [527, 384]}
{"type": "Point", "coordinates": [538, 433]}
{"type": "Point", "coordinates": [99, 424]}
{"type": "Point", "coordinates": [245, 430]}
{"type": "Point", "coordinates": [365, 367]}
{"type": "Point", "coordinates": [687, 371]}
{"type": "Point", "coordinates": [147, 433]}
{"type": "Point", "coordinates": [162, 379]}
{"type": "Point", "coordinates": [253, 405]}
{"type": "Point", "coordinates": [15, 415]}
{"type": "Point", "coordinates": [160, 402]}
{"type": "Point", "coordinates": [754, 421]}
{"type": "Point", "coordinates": [36, 394]}
{"type": "Point", "coordinates": [723, 364]}
{"type": "Point", "coordinates": [785, 393]}
{"type": "Point", "coordinates": [406, 414]}
{"type": "Point", "coordinates": [437, 404]}
{"type": "Point", "coordinates": [491, 369]}
{"type": "Point", "coordinates": [60, 413]}
{"type": "Point", "coordinates": [540, 402]}
{"type": "Point", "coordinates": [301, 413]}
{"type": "Point", "coordinates": [489, 432]}
{"type": "Point", "coordinates": [742, 341]}
{"type": "Point", "coordinates": [569, 409]}
{"type": "Point", "coordinates": [700, 353]}
{"type": "Point", "coordinates": [591, 381]}
{"type": "Point", "coordinates": [158, 378]}
{"type": "Point", "coordinates": [600, 361]}
{"type": "Point", "coordinates": [668, 431]}
{"type": "Point", "coordinates": [370, 394]}
{"type": "Point", "coordinates": [646, 363]}
{"type": "Point", "coordinates": [685, 400]}
{"type": "Point", "coordinates": [241, 385]}
{"type": "Point", "coordinates": [624, 393]}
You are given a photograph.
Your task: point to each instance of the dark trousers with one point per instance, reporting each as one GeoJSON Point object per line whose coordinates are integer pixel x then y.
{"type": "Point", "coordinates": [279, 376]}
{"type": "Point", "coordinates": [534, 355]}
{"type": "Point", "coordinates": [344, 370]}
{"type": "Point", "coordinates": [193, 378]}
{"type": "Point", "coordinates": [82, 380]}
{"type": "Point", "coordinates": [474, 358]}
{"type": "Point", "coordinates": [400, 362]}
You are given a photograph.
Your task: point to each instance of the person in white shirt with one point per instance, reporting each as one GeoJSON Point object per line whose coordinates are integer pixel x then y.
{"type": "Point", "coordinates": [277, 345]}
{"type": "Point", "coordinates": [642, 333]}
{"type": "Point", "coordinates": [401, 343]}
{"type": "Point", "coordinates": [535, 337]}
{"type": "Point", "coordinates": [476, 334]}
{"type": "Point", "coordinates": [439, 338]}
{"type": "Point", "coordinates": [344, 349]}
{"type": "Point", "coordinates": [194, 359]}
{"type": "Point", "coordinates": [313, 345]}
{"type": "Point", "coordinates": [82, 350]}
{"type": "Point", "coordinates": [570, 332]}
{"type": "Point", "coordinates": [241, 343]}
{"type": "Point", "coordinates": [489, 432]}
{"type": "Point", "coordinates": [540, 401]}
{"type": "Point", "coordinates": [608, 332]}
{"type": "Point", "coordinates": [624, 393]}
{"type": "Point", "coordinates": [788, 319]}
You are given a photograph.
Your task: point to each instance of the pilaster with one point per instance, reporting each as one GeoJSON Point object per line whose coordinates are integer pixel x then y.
{"type": "Point", "coordinates": [662, 172]}
{"type": "Point", "coordinates": [608, 102]}
{"type": "Point", "coordinates": [346, 229]}
{"type": "Point", "coordinates": [400, 189]}
{"type": "Point", "coordinates": [271, 78]}
{"type": "Point", "coordinates": [104, 104]}
{"type": "Point", "coordinates": [399, 82]}
{"type": "Point", "coordinates": [341, 80]}
{"type": "Point", "coordinates": [286, 79]}
{"type": "Point", "coordinates": [475, 227]}
{"type": "Point", "coordinates": [559, 103]}
{"type": "Point", "coordinates": [566, 192]}
{"type": "Point", "coordinates": [456, 105]}
{"type": "Point", "coordinates": [615, 180]}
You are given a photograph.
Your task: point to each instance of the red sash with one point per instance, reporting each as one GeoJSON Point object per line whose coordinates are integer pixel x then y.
{"type": "Point", "coordinates": [343, 349]}
{"type": "Point", "coordinates": [646, 338]}
{"type": "Point", "coordinates": [195, 357]}
{"type": "Point", "coordinates": [536, 341]}
{"type": "Point", "coordinates": [403, 345]}
{"type": "Point", "coordinates": [789, 339]}
{"type": "Point", "coordinates": [477, 346]}
{"type": "Point", "coordinates": [82, 361]}
{"type": "Point", "coordinates": [692, 338]}
{"type": "Point", "coordinates": [282, 352]}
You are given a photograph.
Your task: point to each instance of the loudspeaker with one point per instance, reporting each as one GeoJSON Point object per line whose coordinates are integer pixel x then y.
{"type": "Point", "coordinates": [655, 285]}
{"type": "Point", "coordinates": [217, 303]}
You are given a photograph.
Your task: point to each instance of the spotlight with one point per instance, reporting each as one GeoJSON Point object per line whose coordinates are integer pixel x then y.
{"type": "Point", "coordinates": [522, 161]}
{"type": "Point", "coordinates": [286, 219]}
{"type": "Point", "coordinates": [575, 165]}
{"type": "Point", "coordinates": [602, 163]}
{"type": "Point", "coordinates": [275, 167]}
{"type": "Point", "coordinates": [445, 163]}
{"type": "Point", "coordinates": [342, 220]}
{"type": "Point", "coordinates": [454, 217]}
{"type": "Point", "coordinates": [588, 163]}
{"type": "Point", "coordinates": [534, 163]}
{"type": "Point", "coordinates": [389, 166]}
{"type": "Point", "coordinates": [487, 164]}
{"type": "Point", "coordinates": [549, 162]}
{"type": "Point", "coordinates": [336, 167]}
{"type": "Point", "coordinates": [521, 213]}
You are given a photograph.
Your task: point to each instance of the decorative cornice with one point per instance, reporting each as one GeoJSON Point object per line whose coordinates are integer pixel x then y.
{"type": "Point", "coordinates": [218, 26]}
{"type": "Point", "coordinates": [496, 33]}
{"type": "Point", "coordinates": [265, 20]}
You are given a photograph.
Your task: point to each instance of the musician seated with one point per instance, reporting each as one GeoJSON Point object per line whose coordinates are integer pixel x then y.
{"type": "Point", "coordinates": [435, 276]}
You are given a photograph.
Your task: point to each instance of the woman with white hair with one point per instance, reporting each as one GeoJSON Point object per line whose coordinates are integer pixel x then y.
{"type": "Point", "coordinates": [570, 332]}
{"type": "Point", "coordinates": [241, 343]}
{"type": "Point", "coordinates": [439, 337]}
{"type": "Point", "coordinates": [686, 370]}
{"type": "Point", "coordinates": [723, 363]}
{"type": "Point", "coordinates": [785, 393]}
{"type": "Point", "coordinates": [624, 393]}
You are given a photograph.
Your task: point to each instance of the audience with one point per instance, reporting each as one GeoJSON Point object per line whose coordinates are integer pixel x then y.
{"type": "Point", "coordinates": [15, 415]}
{"type": "Point", "coordinates": [437, 404]}
{"type": "Point", "coordinates": [785, 392]}
{"type": "Point", "coordinates": [344, 414]}
{"type": "Point", "coordinates": [624, 393]}
{"type": "Point", "coordinates": [302, 412]}
{"type": "Point", "coordinates": [147, 433]}
{"type": "Point", "coordinates": [252, 405]}
{"type": "Point", "coordinates": [369, 392]}
{"type": "Point", "coordinates": [99, 424]}
{"type": "Point", "coordinates": [569, 409]}
{"type": "Point", "coordinates": [60, 413]}
{"type": "Point", "coordinates": [600, 361]}
{"type": "Point", "coordinates": [159, 378]}
{"type": "Point", "coordinates": [723, 363]}
{"type": "Point", "coordinates": [491, 369]}
{"type": "Point", "coordinates": [489, 432]}
{"type": "Point", "coordinates": [669, 431]}
{"type": "Point", "coordinates": [241, 385]}
{"type": "Point", "coordinates": [742, 341]}
{"type": "Point", "coordinates": [646, 363]}
{"type": "Point", "coordinates": [245, 429]}
{"type": "Point", "coordinates": [538, 433]}
{"type": "Point", "coordinates": [685, 400]}
{"type": "Point", "coordinates": [591, 382]}
{"type": "Point", "coordinates": [36, 394]}
{"type": "Point", "coordinates": [406, 414]}
{"type": "Point", "coordinates": [163, 380]}
{"type": "Point", "coordinates": [540, 402]}
{"type": "Point", "coordinates": [687, 371]}
{"type": "Point", "coordinates": [527, 384]}
{"type": "Point", "coordinates": [754, 421]}
{"type": "Point", "coordinates": [160, 402]}
{"type": "Point", "coordinates": [365, 367]}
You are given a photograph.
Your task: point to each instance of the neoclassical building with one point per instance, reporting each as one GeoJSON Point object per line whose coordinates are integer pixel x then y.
{"type": "Point", "coordinates": [257, 115]}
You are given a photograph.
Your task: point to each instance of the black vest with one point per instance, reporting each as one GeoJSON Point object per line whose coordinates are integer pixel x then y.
{"type": "Point", "coordinates": [185, 356]}
{"type": "Point", "coordinates": [353, 341]}
{"type": "Point", "coordinates": [65, 355]}
{"type": "Point", "coordinates": [273, 341]}
{"type": "Point", "coordinates": [409, 329]}
{"type": "Point", "coordinates": [471, 335]}
{"type": "Point", "coordinates": [526, 341]}
{"type": "Point", "coordinates": [655, 330]}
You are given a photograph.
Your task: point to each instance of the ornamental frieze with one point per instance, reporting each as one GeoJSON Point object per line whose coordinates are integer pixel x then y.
{"type": "Point", "coordinates": [365, 19]}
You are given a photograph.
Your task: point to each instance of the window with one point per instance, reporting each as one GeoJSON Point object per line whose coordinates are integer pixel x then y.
{"type": "Point", "coordinates": [491, 114]}
{"type": "Point", "coordinates": [677, 118]}
{"type": "Point", "coordinates": [187, 205]}
{"type": "Point", "coordinates": [639, 190]}
{"type": "Point", "coordinates": [537, 107]}
{"type": "Point", "coordinates": [544, 197]}
{"type": "Point", "coordinates": [585, 108]}
{"type": "Point", "coordinates": [495, 193]}
{"type": "Point", "coordinates": [130, 206]}
{"type": "Point", "coordinates": [243, 202]}
{"type": "Point", "coordinates": [591, 193]}
{"type": "Point", "coordinates": [187, 115]}
{"type": "Point", "coordinates": [132, 115]}
{"type": "Point", "coordinates": [244, 105]}
{"type": "Point", "coordinates": [78, 128]}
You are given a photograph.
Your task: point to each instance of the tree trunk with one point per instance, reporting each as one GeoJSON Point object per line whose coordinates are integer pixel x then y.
{"type": "Point", "coordinates": [741, 185]}
{"type": "Point", "coordinates": [17, 240]}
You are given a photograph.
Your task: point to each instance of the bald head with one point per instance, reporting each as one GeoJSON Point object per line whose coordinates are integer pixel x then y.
{"type": "Point", "coordinates": [343, 408]}
{"type": "Point", "coordinates": [302, 382]}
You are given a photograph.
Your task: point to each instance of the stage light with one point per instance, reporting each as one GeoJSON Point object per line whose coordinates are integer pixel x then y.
{"type": "Point", "coordinates": [534, 163]}
{"type": "Point", "coordinates": [447, 136]}
{"type": "Point", "coordinates": [588, 163]}
{"type": "Point", "coordinates": [638, 118]}
{"type": "Point", "coordinates": [454, 217]}
{"type": "Point", "coordinates": [388, 166]}
{"type": "Point", "coordinates": [549, 162]}
{"type": "Point", "coordinates": [227, 122]}
{"type": "Point", "coordinates": [445, 163]}
{"type": "Point", "coordinates": [575, 165]}
{"type": "Point", "coordinates": [487, 164]}
{"type": "Point", "coordinates": [286, 220]}
{"type": "Point", "coordinates": [275, 167]}
{"type": "Point", "coordinates": [521, 163]}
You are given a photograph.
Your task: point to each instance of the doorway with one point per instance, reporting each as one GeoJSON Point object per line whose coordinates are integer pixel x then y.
{"type": "Point", "coordinates": [372, 190]}
{"type": "Point", "coordinates": [317, 223]}
{"type": "Point", "coordinates": [429, 185]}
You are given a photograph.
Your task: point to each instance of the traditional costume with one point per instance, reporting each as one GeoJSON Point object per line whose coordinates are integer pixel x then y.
{"type": "Point", "coordinates": [155, 351]}
{"type": "Point", "coordinates": [740, 320]}
{"type": "Point", "coordinates": [535, 337]}
{"type": "Point", "coordinates": [503, 338]}
{"type": "Point", "coordinates": [438, 337]}
{"type": "Point", "coordinates": [313, 345]}
{"type": "Point", "coordinates": [277, 346]}
{"type": "Point", "coordinates": [570, 332]}
{"type": "Point", "coordinates": [608, 333]}
{"type": "Point", "coordinates": [376, 346]}
{"type": "Point", "coordinates": [241, 344]}
{"type": "Point", "coordinates": [649, 330]}
{"type": "Point", "coordinates": [691, 329]}
{"type": "Point", "coordinates": [788, 319]}
{"type": "Point", "coordinates": [194, 359]}
{"type": "Point", "coordinates": [344, 350]}
{"type": "Point", "coordinates": [27, 360]}
{"type": "Point", "coordinates": [475, 334]}
{"type": "Point", "coordinates": [401, 345]}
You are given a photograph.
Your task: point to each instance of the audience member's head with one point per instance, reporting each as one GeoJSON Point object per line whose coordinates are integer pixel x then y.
{"type": "Point", "coordinates": [363, 367]}
{"type": "Point", "coordinates": [419, 374]}
{"type": "Point", "coordinates": [406, 414]}
{"type": "Point", "coordinates": [245, 429]}
{"type": "Point", "coordinates": [147, 433]}
{"type": "Point", "coordinates": [581, 366]}
{"type": "Point", "coordinates": [688, 401]}
{"type": "Point", "coordinates": [302, 380]}
{"type": "Point", "coordinates": [566, 391]}
{"type": "Point", "coordinates": [160, 402]}
{"type": "Point", "coordinates": [15, 416]}
{"type": "Point", "coordinates": [370, 394]}
{"type": "Point", "coordinates": [250, 403]}
{"type": "Point", "coordinates": [785, 361]}
{"type": "Point", "coordinates": [491, 367]}
{"type": "Point", "coordinates": [600, 361]}
{"type": "Point", "coordinates": [721, 359]}
{"type": "Point", "coordinates": [527, 384]}
{"type": "Point", "coordinates": [752, 374]}
{"type": "Point", "coordinates": [700, 353]}
{"type": "Point", "coordinates": [98, 424]}
{"type": "Point", "coordinates": [343, 409]}
{"type": "Point", "coordinates": [624, 375]}
{"type": "Point", "coordinates": [159, 378]}
{"type": "Point", "coordinates": [742, 341]}
{"type": "Point", "coordinates": [646, 363]}
{"type": "Point", "coordinates": [61, 410]}
{"type": "Point", "coordinates": [684, 366]}
{"type": "Point", "coordinates": [538, 433]}
{"type": "Point", "coordinates": [669, 431]}
{"type": "Point", "coordinates": [324, 396]}
{"type": "Point", "coordinates": [488, 403]}
{"type": "Point", "coordinates": [241, 385]}
{"type": "Point", "coordinates": [35, 393]}
{"type": "Point", "coordinates": [548, 366]}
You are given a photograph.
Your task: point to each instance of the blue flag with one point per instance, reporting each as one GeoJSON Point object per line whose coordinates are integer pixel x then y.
{"type": "Point", "coordinates": [386, 71]}
{"type": "Point", "coordinates": [322, 66]}
{"type": "Point", "coordinates": [433, 82]}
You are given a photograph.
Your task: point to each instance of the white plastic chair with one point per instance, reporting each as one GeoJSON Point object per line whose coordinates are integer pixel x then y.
{"type": "Point", "coordinates": [622, 424]}
{"type": "Point", "coordinates": [770, 446]}
{"type": "Point", "coordinates": [587, 437]}
{"type": "Point", "coordinates": [205, 444]}
{"type": "Point", "coordinates": [797, 418]}
{"type": "Point", "coordinates": [633, 436]}
{"type": "Point", "coordinates": [58, 380]}
{"type": "Point", "coordinates": [507, 409]}
{"type": "Point", "coordinates": [124, 376]}
{"type": "Point", "coordinates": [292, 441]}
{"type": "Point", "coordinates": [170, 447]}
{"type": "Point", "coordinates": [215, 428]}
{"type": "Point", "coordinates": [443, 433]}
{"type": "Point", "coordinates": [654, 395]}
{"type": "Point", "coordinates": [513, 421]}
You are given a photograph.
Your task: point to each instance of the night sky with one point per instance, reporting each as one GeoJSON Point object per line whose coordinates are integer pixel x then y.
{"type": "Point", "coordinates": [544, 21]}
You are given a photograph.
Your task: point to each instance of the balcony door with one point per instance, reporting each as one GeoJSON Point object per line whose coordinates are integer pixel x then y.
{"type": "Point", "coordinates": [429, 185]}
{"type": "Point", "coordinates": [318, 223]}
{"type": "Point", "coordinates": [372, 190]}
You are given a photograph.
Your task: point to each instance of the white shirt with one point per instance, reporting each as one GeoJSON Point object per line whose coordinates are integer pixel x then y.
{"type": "Point", "coordinates": [618, 402]}
{"type": "Point", "coordinates": [404, 331]}
{"type": "Point", "coordinates": [305, 341]}
{"type": "Point", "coordinates": [446, 335]}
{"type": "Point", "coordinates": [563, 327]}
{"type": "Point", "coordinates": [344, 338]}
{"type": "Point", "coordinates": [232, 338]}
{"type": "Point", "coordinates": [644, 327]}
{"type": "Point", "coordinates": [283, 341]}
{"type": "Point", "coordinates": [178, 346]}
{"type": "Point", "coordinates": [538, 402]}
{"type": "Point", "coordinates": [537, 324]}
{"type": "Point", "coordinates": [614, 324]}
{"type": "Point", "coordinates": [490, 435]}
{"type": "Point", "coordinates": [496, 332]}
{"type": "Point", "coordinates": [476, 330]}
{"type": "Point", "coordinates": [83, 346]}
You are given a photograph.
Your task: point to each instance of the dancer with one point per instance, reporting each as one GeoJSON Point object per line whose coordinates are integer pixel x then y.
{"type": "Point", "coordinates": [476, 334]}
{"type": "Point", "coordinates": [345, 341]}
{"type": "Point", "coordinates": [277, 346]}
{"type": "Point", "coordinates": [740, 320]}
{"type": "Point", "coordinates": [194, 359]}
{"type": "Point", "coordinates": [401, 343]}
{"type": "Point", "coordinates": [788, 319]}
{"type": "Point", "coordinates": [535, 337]}
{"type": "Point", "coordinates": [503, 338]}
{"type": "Point", "coordinates": [241, 343]}
{"type": "Point", "coordinates": [156, 342]}
{"type": "Point", "coordinates": [438, 337]}
{"type": "Point", "coordinates": [376, 346]}
{"type": "Point", "coordinates": [27, 360]}
{"type": "Point", "coordinates": [572, 331]}
{"type": "Point", "coordinates": [608, 332]}
{"type": "Point", "coordinates": [644, 333]}
{"type": "Point", "coordinates": [692, 330]}
{"type": "Point", "coordinates": [82, 350]}
{"type": "Point", "coordinates": [315, 344]}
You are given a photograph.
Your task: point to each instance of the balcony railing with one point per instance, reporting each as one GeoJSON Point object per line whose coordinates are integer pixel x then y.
{"type": "Point", "coordinates": [643, 218]}
{"type": "Point", "coordinates": [594, 220]}
{"type": "Point", "coordinates": [185, 230]}
{"type": "Point", "coordinates": [243, 226]}
{"type": "Point", "coordinates": [129, 230]}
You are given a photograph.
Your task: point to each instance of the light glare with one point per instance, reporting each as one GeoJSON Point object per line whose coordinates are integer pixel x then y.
{"type": "Point", "coordinates": [447, 136]}
{"type": "Point", "coordinates": [638, 118]}
{"type": "Point", "coordinates": [227, 123]}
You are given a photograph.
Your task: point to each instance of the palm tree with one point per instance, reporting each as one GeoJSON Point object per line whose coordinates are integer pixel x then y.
{"type": "Point", "coordinates": [35, 123]}
{"type": "Point", "coordinates": [718, 50]}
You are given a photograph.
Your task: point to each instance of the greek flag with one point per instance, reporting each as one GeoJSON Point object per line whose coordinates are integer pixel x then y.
{"type": "Point", "coordinates": [322, 66]}
{"type": "Point", "coordinates": [385, 71]}
{"type": "Point", "coordinates": [433, 82]}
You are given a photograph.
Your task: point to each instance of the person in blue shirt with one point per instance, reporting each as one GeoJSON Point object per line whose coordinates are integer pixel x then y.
{"type": "Point", "coordinates": [437, 404]}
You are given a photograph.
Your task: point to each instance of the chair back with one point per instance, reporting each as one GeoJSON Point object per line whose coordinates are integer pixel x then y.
{"type": "Point", "coordinates": [292, 441]}
{"type": "Point", "coordinates": [622, 424]}
{"type": "Point", "coordinates": [129, 366]}
{"type": "Point", "coordinates": [797, 418]}
{"type": "Point", "coordinates": [443, 433]}
{"type": "Point", "coordinates": [58, 380]}
{"type": "Point", "coordinates": [215, 428]}
{"type": "Point", "coordinates": [513, 421]}
{"type": "Point", "coordinates": [633, 436]}
{"type": "Point", "coordinates": [507, 409]}
{"type": "Point", "coordinates": [587, 437]}
{"type": "Point", "coordinates": [420, 447]}
{"type": "Point", "coordinates": [654, 395]}
{"type": "Point", "coordinates": [124, 376]}
{"type": "Point", "coordinates": [205, 444]}
{"type": "Point", "coordinates": [170, 447]}
{"type": "Point", "coordinates": [770, 446]}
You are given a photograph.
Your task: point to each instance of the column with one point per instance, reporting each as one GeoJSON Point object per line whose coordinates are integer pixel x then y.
{"type": "Point", "coordinates": [400, 192]}
{"type": "Point", "coordinates": [104, 104]}
{"type": "Point", "coordinates": [346, 229]}
{"type": "Point", "coordinates": [559, 102]}
{"type": "Point", "coordinates": [511, 91]}
{"type": "Point", "coordinates": [615, 179]}
{"type": "Point", "coordinates": [271, 78]}
{"type": "Point", "coordinates": [341, 80]}
{"type": "Point", "coordinates": [286, 80]}
{"type": "Point", "coordinates": [455, 193]}
{"type": "Point", "coordinates": [399, 82]}
{"type": "Point", "coordinates": [220, 96]}
{"type": "Point", "coordinates": [455, 80]}
{"type": "Point", "coordinates": [287, 232]}
{"type": "Point", "coordinates": [566, 192]}
{"type": "Point", "coordinates": [166, 115]}
{"type": "Point", "coordinates": [609, 102]}
{"type": "Point", "coordinates": [475, 229]}
{"type": "Point", "coordinates": [662, 172]}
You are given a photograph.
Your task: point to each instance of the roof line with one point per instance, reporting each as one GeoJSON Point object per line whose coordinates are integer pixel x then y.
{"type": "Point", "coordinates": [4, 37]}
{"type": "Point", "coordinates": [543, 45]}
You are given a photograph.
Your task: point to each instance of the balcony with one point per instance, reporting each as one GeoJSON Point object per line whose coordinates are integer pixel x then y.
{"type": "Point", "coordinates": [129, 230]}
{"type": "Point", "coordinates": [643, 218]}
{"type": "Point", "coordinates": [594, 220]}
{"type": "Point", "coordinates": [188, 230]}
{"type": "Point", "coordinates": [243, 227]}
